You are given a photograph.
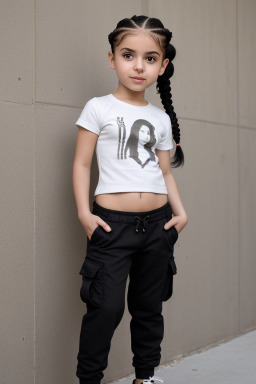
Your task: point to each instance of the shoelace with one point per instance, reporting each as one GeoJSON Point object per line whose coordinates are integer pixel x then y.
{"type": "Point", "coordinates": [153, 379]}
{"type": "Point", "coordinates": [144, 220]}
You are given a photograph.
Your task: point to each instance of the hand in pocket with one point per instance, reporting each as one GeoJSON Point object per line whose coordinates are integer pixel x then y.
{"type": "Point", "coordinates": [90, 222]}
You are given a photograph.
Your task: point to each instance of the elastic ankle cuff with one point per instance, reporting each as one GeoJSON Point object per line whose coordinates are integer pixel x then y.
{"type": "Point", "coordinates": [144, 373]}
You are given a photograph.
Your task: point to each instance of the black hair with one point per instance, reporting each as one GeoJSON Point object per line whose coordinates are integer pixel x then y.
{"type": "Point", "coordinates": [155, 27]}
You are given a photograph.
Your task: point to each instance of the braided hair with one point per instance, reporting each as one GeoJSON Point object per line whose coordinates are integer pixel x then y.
{"type": "Point", "coordinates": [155, 28]}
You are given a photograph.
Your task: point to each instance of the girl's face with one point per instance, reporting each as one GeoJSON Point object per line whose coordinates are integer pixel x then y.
{"type": "Point", "coordinates": [144, 135]}
{"type": "Point", "coordinates": [139, 56]}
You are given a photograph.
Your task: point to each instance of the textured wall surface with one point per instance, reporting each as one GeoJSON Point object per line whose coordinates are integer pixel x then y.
{"type": "Point", "coordinates": [54, 59]}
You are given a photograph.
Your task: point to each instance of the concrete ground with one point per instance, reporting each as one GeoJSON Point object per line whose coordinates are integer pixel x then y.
{"type": "Point", "coordinates": [231, 362]}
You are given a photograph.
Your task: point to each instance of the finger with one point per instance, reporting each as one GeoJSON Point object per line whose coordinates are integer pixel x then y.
{"type": "Point", "coordinates": [169, 224]}
{"type": "Point", "coordinates": [105, 226]}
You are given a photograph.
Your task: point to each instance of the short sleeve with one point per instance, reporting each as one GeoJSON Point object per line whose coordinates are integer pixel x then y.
{"type": "Point", "coordinates": [90, 118]}
{"type": "Point", "coordinates": [166, 140]}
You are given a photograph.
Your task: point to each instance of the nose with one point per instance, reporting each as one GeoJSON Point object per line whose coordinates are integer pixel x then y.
{"type": "Point", "coordinates": [139, 65]}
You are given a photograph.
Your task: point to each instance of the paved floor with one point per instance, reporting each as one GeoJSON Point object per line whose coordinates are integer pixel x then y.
{"type": "Point", "coordinates": [232, 362]}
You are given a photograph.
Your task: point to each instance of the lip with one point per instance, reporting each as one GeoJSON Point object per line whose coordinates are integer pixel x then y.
{"type": "Point", "coordinates": [138, 80]}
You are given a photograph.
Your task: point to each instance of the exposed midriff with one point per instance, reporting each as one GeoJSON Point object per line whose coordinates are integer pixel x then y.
{"type": "Point", "coordinates": [132, 201]}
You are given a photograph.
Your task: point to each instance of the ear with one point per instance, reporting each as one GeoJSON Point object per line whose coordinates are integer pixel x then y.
{"type": "Point", "coordinates": [163, 66]}
{"type": "Point", "coordinates": [111, 60]}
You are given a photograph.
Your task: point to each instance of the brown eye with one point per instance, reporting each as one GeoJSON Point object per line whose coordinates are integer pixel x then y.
{"type": "Point", "coordinates": [152, 59]}
{"type": "Point", "coordinates": [127, 54]}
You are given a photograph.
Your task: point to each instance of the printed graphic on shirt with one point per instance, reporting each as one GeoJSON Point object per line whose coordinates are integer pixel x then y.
{"type": "Point", "coordinates": [138, 144]}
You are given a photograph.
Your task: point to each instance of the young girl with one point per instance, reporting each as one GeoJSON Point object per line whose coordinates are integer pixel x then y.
{"type": "Point", "coordinates": [137, 212]}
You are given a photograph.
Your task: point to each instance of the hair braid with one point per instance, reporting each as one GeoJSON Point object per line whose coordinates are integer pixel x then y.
{"type": "Point", "coordinates": [162, 36]}
{"type": "Point", "coordinates": [164, 89]}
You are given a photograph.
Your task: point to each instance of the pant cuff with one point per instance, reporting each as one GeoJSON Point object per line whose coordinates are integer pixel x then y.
{"type": "Point", "coordinates": [88, 382]}
{"type": "Point", "coordinates": [144, 373]}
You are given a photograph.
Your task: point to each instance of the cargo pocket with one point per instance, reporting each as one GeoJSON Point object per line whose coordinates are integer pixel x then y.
{"type": "Point", "coordinates": [92, 290]}
{"type": "Point", "coordinates": [168, 284]}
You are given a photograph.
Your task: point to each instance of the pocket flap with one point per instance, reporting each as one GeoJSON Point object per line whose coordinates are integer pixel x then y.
{"type": "Point", "coordinates": [173, 266]}
{"type": "Point", "coordinates": [89, 268]}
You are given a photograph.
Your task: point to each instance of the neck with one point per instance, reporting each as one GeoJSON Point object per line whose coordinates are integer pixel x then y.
{"type": "Point", "coordinates": [132, 97]}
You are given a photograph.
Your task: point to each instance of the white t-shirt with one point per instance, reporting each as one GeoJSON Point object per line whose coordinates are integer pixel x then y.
{"type": "Point", "coordinates": [125, 149]}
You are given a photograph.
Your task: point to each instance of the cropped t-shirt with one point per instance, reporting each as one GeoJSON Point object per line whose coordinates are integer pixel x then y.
{"type": "Point", "coordinates": [125, 149]}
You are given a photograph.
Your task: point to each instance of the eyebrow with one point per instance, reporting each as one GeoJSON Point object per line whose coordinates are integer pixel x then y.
{"type": "Point", "coordinates": [148, 53]}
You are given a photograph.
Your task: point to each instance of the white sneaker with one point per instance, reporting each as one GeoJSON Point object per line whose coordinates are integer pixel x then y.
{"type": "Point", "coordinates": [153, 380]}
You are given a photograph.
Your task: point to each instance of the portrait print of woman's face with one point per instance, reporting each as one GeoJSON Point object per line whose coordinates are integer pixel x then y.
{"type": "Point", "coordinates": [144, 135]}
{"type": "Point", "coordinates": [138, 145]}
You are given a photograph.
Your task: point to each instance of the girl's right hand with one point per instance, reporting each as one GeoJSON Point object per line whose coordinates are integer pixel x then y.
{"type": "Point", "coordinates": [90, 222]}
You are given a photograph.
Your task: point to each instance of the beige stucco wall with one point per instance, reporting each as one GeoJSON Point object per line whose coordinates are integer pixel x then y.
{"type": "Point", "coordinates": [53, 59]}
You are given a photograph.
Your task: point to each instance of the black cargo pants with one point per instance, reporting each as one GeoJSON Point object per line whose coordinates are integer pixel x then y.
{"type": "Point", "coordinates": [140, 247]}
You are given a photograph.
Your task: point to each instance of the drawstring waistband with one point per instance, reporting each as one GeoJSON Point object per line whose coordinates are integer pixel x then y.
{"type": "Point", "coordinates": [144, 223]}
{"type": "Point", "coordinates": [144, 218]}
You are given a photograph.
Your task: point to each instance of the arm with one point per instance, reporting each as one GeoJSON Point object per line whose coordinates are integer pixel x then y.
{"type": "Point", "coordinates": [179, 219]}
{"type": "Point", "coordinates": [85, 145]}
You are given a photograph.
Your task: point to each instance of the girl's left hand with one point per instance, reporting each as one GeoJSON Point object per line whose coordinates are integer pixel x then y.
{"type": "Point", "coordinates": [179, 222]}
